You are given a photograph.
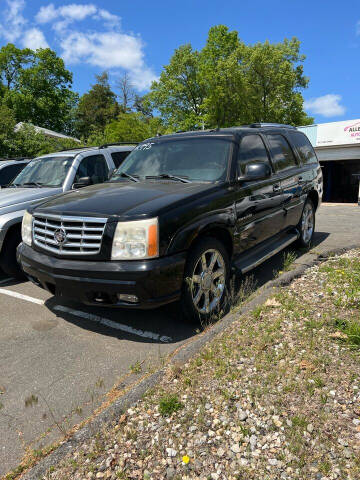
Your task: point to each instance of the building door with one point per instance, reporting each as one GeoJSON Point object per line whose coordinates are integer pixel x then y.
{"type": "Point", "coordinates": [340, 181]}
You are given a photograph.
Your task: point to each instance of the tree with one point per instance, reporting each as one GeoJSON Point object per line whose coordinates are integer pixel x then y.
{"type": "Point", "coordinates": [127, 92]}
{"type": "Point", "coordinates": [230, 83]}
{"type": "Point", "coordinates": [275, 77]}
{"type": "Point", "coordinates": [179, 93]}
{"type": "Point", "coordinates": [97, 107]}
{"type": "Point", "coordinates": [37, 87]}
{"type": "Point", "coordinates": [128, 127]}
{"type": "Point", "coordinates": [12, 62]}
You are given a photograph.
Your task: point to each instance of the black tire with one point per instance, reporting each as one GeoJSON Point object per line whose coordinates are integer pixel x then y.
{"type": "Point", "coordinates": [8, 262]}
{"type": "Point", "coordinates": [211, 282]}
{"type": "Point", "coordinates": [307, 218]}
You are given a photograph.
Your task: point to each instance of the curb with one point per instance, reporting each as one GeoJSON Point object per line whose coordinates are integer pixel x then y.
{"type": "Point", "coordinates": [115, 410]}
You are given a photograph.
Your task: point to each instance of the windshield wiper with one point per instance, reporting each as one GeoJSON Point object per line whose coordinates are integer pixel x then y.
{"type": "Point", "coordinates": [170, 177]}
{"type": "Point", "coordinates": [127, 175]}
{"type": "Point", "coordinates": [31, 184]}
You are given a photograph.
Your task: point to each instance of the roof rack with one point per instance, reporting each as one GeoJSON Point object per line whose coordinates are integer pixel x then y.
{"type": "Point", "coordinates": [106, 145]}
{"type": "Point", "coordinates": [75, 148]}
{"type": "Point", "coordinates": [276, 125]}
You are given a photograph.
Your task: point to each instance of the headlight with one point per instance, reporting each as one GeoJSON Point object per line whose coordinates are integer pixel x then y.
{"type": "Point", "coordinates": [26, 228]}
{"type": "Point", "coordinates": [135, 240]}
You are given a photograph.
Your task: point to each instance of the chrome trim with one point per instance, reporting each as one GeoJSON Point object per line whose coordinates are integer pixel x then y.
{"type": "Point", "coordinates": [83, 234]}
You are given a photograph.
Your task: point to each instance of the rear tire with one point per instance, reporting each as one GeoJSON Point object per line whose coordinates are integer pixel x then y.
{"type": "Point", "coordinates": [306, 226]}
{"type": "Point", "coordinates": [8, 262]}
{"type": "Point", "coordinates": [206, 278]}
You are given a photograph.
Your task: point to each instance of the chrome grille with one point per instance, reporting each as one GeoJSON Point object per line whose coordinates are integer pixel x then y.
{"type": "Point", "coordinates": [68, 235]}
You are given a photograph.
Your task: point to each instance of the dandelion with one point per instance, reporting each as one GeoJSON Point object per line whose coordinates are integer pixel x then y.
{"type": "Point", "coordinates": [185, 459]}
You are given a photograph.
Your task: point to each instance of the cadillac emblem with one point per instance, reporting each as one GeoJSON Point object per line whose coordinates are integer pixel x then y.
{"type": "Point", "coordinates": [60, 236]}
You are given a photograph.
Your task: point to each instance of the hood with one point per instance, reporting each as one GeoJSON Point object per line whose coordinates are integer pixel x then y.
{"type": "Point", "coordinates": [124, 199]}
{"type": "Point", "coordinates": [12, 199]}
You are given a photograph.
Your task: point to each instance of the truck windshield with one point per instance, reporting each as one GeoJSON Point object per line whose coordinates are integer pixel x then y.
{"type": "Point", "coordinates": [44, 172]}
{"type": "Point", "coordinates": [194, 159]}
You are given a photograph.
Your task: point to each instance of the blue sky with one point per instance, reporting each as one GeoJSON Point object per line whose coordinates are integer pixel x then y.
{"type": "Point", "coordinates": [139, 37]}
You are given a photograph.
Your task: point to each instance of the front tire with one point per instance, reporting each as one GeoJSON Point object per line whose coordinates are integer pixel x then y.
{"type": "Point", "coordinates": [8, 262]}
{"type": "Point", "coordinates": [205, 281]}
{"type": "Point", "coordinates": [306, 225]}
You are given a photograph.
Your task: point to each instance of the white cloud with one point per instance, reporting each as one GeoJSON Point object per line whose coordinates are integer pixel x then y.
{"type": "Point", "coordinates": [13, 20]}
{"type": "Point", "coordinates": [101, 42]}
{"type": "Point", "coordinates": [327, 105]}
{"type": "Point", "coordinates": [46, 14]}
{"type": "Point", "coordinates": [109, 50]}
{"type": "Point", "coordinates": [14, 27]}
{"type": "Point", "coordinates": [34, 39]}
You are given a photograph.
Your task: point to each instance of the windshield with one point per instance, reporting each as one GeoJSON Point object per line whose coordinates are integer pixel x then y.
{"type": "Point", "coordinates": [44, 172]}
{"type": "Point", "coordinates": [195, 159]}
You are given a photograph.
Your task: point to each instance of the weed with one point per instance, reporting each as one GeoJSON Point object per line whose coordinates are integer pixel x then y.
{"type": "Point", "coordinates": [288, 259]}
{"type": "Point", "coordinates": [136, 367]}
{"type": "Point", "coordinates": [169, 404]}
{"type": "Point", "coordinates": [31, 401]}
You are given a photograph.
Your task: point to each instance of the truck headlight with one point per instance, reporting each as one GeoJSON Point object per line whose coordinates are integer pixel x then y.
{"type": "Point", "coordinates": [136, 240]}
{"type": "Point", "coordinates": [26, 228]}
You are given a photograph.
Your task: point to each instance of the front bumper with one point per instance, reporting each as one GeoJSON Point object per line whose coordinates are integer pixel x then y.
{"type": "Point", "coordinates": [155, 282]}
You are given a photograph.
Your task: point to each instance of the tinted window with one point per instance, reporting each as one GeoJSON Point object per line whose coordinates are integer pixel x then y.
{"type": "Point", "coordinates": [9, 173]}
{"type": "Point", "coordinates": [283, 156]}
{"type": "Point", "coordinates": [198, 159]}
{"type": "Point", "coordinates": [94, 167]}
{"type": "Point", "coordinates": [252, 149]}
{"type": "Point", "coordinates": [119, 157]}
{"type": "Point", "coordinates": [304, 147]}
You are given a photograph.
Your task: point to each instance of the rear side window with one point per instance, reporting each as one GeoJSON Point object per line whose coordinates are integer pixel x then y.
{"type": "Point", "coordinates": [282, 154]}
{"type": "Point", "coordinates": [252, 149]}
{"type": "Point", "coordinates": [9, 173]}
{"type": "Point", "coordinates": [303, 147]}
{"type": "Point", "coordinates": [119, 157]}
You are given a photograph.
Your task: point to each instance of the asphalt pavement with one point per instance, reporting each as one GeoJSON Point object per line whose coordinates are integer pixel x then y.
{"type": "Point", "coordinates": [59, 361]}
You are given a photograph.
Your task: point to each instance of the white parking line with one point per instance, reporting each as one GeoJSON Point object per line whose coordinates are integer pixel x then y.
{"type": "Point", "coordinates": [21, 296]}
{"type": "Point", "coordinates": [115, 325]}
{"type": "Point", "coordinates": [93, 318]}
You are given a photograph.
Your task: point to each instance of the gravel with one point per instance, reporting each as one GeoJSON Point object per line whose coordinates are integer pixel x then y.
{"type": "Point", "coordinates": [275, 397]}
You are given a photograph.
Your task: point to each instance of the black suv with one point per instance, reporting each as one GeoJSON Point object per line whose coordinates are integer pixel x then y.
{"type": "Point", "coordinates": [177, 214]}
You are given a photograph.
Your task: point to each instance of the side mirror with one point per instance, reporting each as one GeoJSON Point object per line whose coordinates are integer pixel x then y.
{"type": "Point", "coordinates": [82, 182]}
{"type": "Point", "coordinates": [255, 171]}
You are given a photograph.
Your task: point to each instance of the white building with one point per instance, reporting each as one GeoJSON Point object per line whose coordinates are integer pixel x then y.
{"type": "Point", "coordinates": [47, 132]}
{"type": "Point", "coordinates": [337, 145]}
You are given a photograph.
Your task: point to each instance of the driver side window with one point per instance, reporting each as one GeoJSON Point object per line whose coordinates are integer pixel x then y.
{"type": "Point", "coordinates": [252, 149]}
{"type": "Point", "coordinates": [95, 167]}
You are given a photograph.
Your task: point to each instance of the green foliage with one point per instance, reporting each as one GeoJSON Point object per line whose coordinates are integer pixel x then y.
{"type": "Point", "coordinates": [37, 87]}
{"type": "Point", "coordinates": [230, 83]}
{"type": "Point", "coordinates": [26, 142]}
{"type": "Point", "coordinates": [128, 127]}
{"type": "Point", "coordinates": [97, 107]}
{"type": "Point", "coordinates": [169, 404]}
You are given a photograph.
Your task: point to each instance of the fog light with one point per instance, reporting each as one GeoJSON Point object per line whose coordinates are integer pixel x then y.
{"type": "Point", "coordinates": [124, 297]}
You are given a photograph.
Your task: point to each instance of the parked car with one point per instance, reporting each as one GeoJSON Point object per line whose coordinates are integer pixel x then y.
{"type": "Point", "coordinates": [179, 212]}
{"type": "Point", "coordinates": [9, 168]}
{"type": "Point", "coordinates": [48, 176]}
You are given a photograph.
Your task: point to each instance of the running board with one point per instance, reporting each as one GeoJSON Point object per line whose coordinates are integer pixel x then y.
{"type": "Point", "coordinates": [263, 252]}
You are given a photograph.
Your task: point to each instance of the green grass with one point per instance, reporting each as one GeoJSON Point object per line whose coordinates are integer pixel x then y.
{"type": "Point", "coordinates": [169, 404]}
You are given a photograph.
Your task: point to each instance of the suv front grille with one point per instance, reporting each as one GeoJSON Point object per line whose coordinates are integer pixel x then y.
{"type": "Point", "coordinates": [68, 235]}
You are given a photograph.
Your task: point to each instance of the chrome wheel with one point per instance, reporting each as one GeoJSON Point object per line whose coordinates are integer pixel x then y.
{"type": "Point", "coordinates": [208, 281]}
{"type": "Point", "coordinates": [307, 223]}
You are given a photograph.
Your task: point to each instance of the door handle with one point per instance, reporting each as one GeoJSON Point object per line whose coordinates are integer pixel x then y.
{"type": "Point", "coordinates": [276, 188]}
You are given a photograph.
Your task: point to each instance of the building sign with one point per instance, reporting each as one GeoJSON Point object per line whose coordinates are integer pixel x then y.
{"type": "Point", "coordinates": [338, 133]}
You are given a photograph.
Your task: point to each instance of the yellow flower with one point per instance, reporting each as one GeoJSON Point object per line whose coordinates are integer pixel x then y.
{"type": "Point", "coordinates": [185, 459]}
